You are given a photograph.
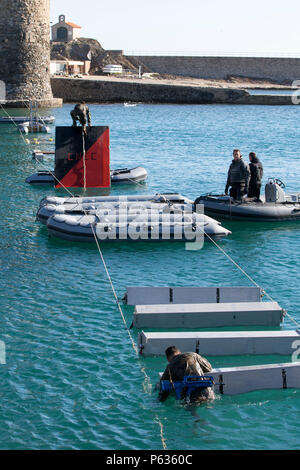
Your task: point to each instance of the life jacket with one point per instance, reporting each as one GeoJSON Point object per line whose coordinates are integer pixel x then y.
{"type": "Point", "coordinates": [187, 385]}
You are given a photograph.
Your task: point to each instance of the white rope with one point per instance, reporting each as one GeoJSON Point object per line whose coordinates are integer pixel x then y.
{"type": "Point", "coordinates": [83, 158]}
{"type": "Point", "coordinates": [134, 346]}
{"type": "Point", "coordinates": [264, 292]}
{"type": "Point", "coordinates": [11, 118]}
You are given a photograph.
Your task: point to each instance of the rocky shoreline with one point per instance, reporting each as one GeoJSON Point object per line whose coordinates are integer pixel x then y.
{"type": "Point", "coordinates": [173, 91]}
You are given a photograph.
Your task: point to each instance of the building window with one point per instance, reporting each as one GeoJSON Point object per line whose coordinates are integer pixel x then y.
{"type": "Point", "coordinates": [62, 34]}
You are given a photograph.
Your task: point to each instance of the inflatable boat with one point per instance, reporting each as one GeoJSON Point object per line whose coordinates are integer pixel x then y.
{"type": "Point", "coordinates": [274, 206]}
{"type": "Point", "coordinates": [22, 119]}
{"type": "Point", "coordinates": [106, 205]}
{"type": "Point", "coordinates": [116, 209]}
{"type": "Point", "coordinates": [170, 198]}
{"type": "Point", "coordinates": [122, 175]}
{"type": "Point", "coordinates": [84, 228]}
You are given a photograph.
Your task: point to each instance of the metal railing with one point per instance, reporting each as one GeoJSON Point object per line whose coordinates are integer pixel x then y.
{"type": "Point", "coordinates": [275, 55]}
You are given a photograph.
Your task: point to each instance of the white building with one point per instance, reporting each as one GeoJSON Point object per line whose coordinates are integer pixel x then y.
{"type": "Point", "coordinates": [112, 68]}
{"type": "Point", "coordinates": [65, 31]}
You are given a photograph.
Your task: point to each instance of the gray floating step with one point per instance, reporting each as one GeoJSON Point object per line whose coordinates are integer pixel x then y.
{"type": "Point", "coordinates": [236, 380]}
{"type": "Point", "coordinates": [190, 295]}
{"type": "Point", "coordinates": [227, 343]}
{"type": "Point", "coordinates": [208, 315]}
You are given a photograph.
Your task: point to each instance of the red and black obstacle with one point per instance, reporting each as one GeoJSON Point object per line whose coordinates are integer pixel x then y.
{"type": "Point", "coordinates": [82, 161]}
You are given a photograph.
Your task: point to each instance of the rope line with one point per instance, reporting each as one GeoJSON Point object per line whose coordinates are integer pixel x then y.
{"type": "Point", "coordinates": [134, 346]}
{"type": "Point", "coordinates": [249, 277]}
{"type": "Point", "coordinates": [83, 158]}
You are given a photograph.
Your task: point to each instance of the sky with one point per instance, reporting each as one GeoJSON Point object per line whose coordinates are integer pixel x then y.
{"type": "Point", "coordinates": [208, 27]}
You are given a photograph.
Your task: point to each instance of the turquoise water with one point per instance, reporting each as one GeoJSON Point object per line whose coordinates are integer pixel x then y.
{"type": "Point", "coordinates": [271, 92]}
{"type": "Point", "coordinates": [72, 379]}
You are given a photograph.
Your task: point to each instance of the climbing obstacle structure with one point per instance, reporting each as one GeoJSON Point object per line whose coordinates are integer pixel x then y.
{"type": "Point", "coordinates": [82, 160]}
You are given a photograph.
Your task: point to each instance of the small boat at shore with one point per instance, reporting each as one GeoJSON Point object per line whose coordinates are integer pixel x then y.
{"type": "Point", "coordinates": [33, 127]}
{"type": "Point", "coordinates": [122, 175]}
{"type": "Point", "coordinates": [274, 206]}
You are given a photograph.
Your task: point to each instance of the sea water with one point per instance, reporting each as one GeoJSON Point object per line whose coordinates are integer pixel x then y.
{"type": "Point", "coordinates": [72, 379]}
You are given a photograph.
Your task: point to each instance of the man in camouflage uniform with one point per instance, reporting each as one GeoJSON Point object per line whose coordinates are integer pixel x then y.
{"type": "Point", "coordinates": [186, 364]}
{"type": "Point", "coordinates": [238, 177]}
{"type": "Point", "coordinates": [82, 114]}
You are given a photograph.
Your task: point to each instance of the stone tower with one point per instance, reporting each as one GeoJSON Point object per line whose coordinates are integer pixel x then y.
{"type": "Point", "coordinates": [25, 50]}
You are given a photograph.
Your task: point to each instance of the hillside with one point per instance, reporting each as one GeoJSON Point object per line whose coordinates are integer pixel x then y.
{"type": "Point", "coordinates": [90, 49]}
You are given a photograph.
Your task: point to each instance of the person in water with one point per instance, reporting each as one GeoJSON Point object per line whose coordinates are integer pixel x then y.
{"type": "Point", "coordinates": [238, 177]}
{"type": "Point", "coordinates": [82, 114]}
{"type": "Point", "coordinates": [186, 364]}
{"type": "Point", "coordinates": [256, 174]}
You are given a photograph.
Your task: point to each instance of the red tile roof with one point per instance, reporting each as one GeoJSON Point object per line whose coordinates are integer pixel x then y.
{"type": "Point", "coordinates": [73, 25]}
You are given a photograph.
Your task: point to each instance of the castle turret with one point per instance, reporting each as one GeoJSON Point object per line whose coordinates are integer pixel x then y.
{"type": "Point", "coordinates": [25, 50]}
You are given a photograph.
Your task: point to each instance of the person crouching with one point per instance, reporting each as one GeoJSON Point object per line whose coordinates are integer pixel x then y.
{"type": "Point", "coordinates": [186, 364]}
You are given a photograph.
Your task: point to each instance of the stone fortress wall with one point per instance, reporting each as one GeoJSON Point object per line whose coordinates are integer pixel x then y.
{"type": "Point", "coordinates": [25, 49]}
{"type": "Point", "coordinates": [275, 69]}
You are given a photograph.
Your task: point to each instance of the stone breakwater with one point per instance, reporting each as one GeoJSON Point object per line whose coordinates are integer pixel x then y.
{"type": "Point", "coordinates": [98, 91]}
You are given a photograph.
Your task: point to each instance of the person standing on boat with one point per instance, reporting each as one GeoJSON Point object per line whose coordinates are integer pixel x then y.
{"type": "Point", "coordinates": [238, 177]}
{"type": "Point", "coordinates": [82, 114]}
{"type": "Point", "coordinates": [186, 364]}
{"type": "Point", "coordinates": [256, 174]}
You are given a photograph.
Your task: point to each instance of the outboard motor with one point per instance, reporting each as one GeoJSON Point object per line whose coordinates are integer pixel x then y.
{"type": "Point", "coordinates": [274, 191]}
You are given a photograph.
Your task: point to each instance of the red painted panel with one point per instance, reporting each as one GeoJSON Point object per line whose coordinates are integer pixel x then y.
{"type": "Point", "coordinates": [70, 159]}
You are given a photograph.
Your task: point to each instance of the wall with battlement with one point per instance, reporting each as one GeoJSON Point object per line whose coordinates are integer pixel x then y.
{"type": "Point", "coordinates": [275, 69]}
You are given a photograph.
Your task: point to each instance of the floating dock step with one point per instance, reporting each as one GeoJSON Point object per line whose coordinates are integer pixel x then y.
{"type": "Point", "coordinates": [208, 315]}
{"type": "Point", "coordinates": [190, 295]}
{"type": "Point", "coordinates": [236, 380]}
{"type": "Point", "coordinates": [227, 343]}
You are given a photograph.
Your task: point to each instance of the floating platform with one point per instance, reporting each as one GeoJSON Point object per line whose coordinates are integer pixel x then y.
{"type": "Point", "coordinates": [190, 295]}
{"type": "Point", "coordinates": [237, 380]}
{"type": "Point", "coordinates": [227, 343]}
{"type": "Point", "coordinates": [208, 315]}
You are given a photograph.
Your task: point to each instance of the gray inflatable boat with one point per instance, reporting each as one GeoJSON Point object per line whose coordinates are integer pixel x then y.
{"type": "Point", "coordinates": [274, 206]}
{"type": "Point", "coordinates": [122, 175]}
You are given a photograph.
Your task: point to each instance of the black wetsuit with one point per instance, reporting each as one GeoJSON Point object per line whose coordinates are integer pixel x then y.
{"type": "Point", "coordinates": [256, 172]}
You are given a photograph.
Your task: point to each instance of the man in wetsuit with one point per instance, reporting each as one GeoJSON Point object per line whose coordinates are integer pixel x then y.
{"type": "Point", "coordinates": [186, 364]}
{"type": "Point", "coordinates": [82, 114]}
{"type": "Point", "coordinates": [238, 177]}
{"type": "Point", "coordinates": [256, 172]}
